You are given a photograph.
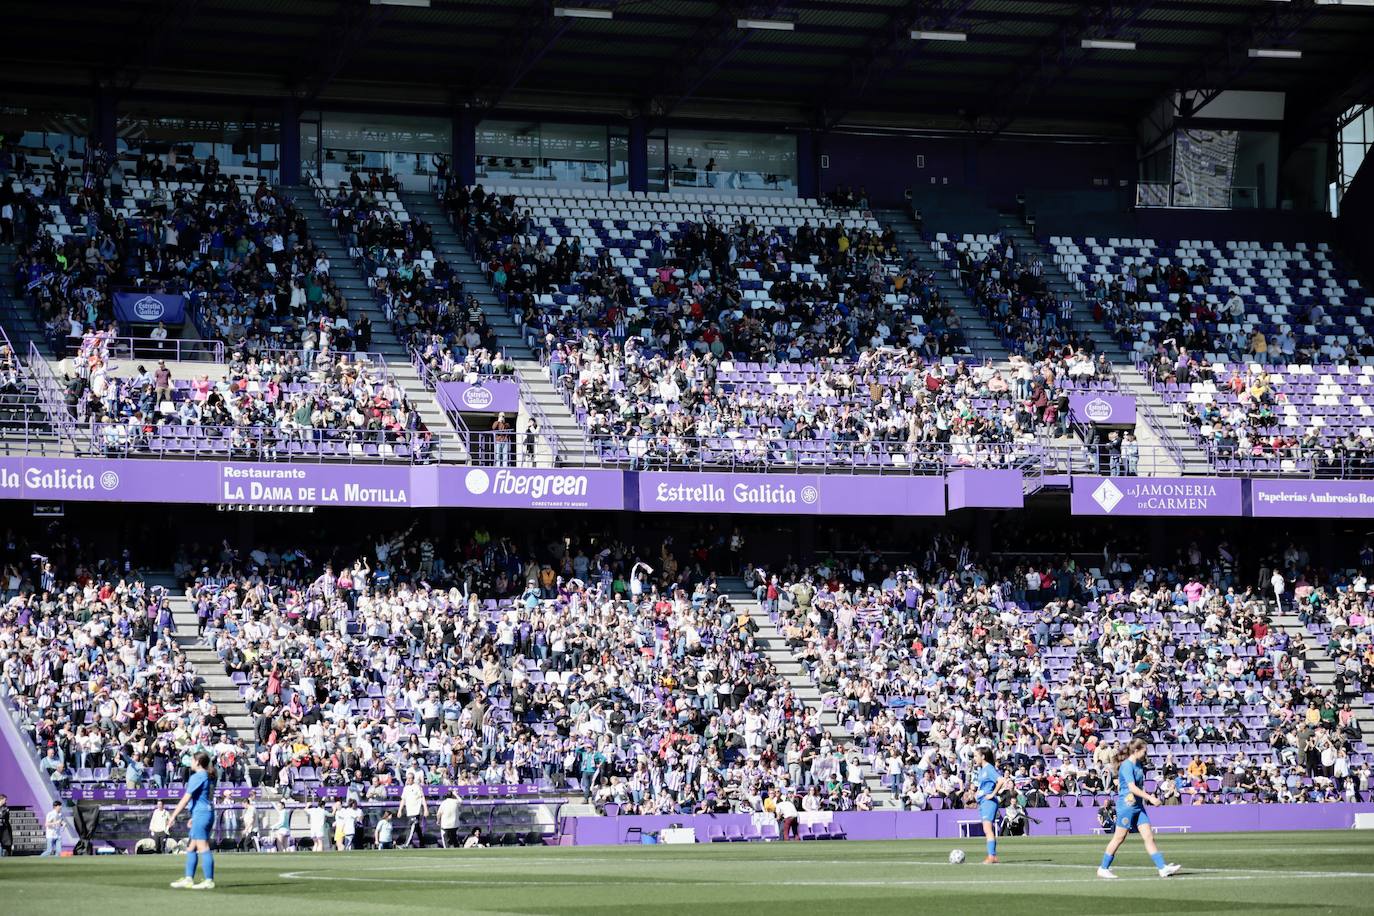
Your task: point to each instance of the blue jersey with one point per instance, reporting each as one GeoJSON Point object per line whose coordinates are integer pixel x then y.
{"type": "Point", "coordinates": [201, 788]}
{"type": "Point", "coordinates": [1129, 775]}
{"type": "Point", "coordinates": [987, 781]}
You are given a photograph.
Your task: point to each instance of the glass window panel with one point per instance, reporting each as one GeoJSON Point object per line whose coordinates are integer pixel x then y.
{"type": "Point", "coordinates": [543, 153]}
{"type": "Point", "coordinates": [727, 161]}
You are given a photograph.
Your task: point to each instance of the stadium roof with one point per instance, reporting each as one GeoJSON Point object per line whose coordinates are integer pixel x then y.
{"type": "Point", "coordinates": [825, 63]}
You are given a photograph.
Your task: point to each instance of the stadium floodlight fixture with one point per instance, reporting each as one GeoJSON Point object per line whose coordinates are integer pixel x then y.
{"type": "Point", "coordinates": [920, 35]}
{"type": "Point", "coordinates": [1276, 53]}
{"type": "Point", "coordinates": [582, 12]}
{"type": "Point", "coordinates": [422, 4]}
{"type": "Point", "coordinates": [767, 25]}
{"type": "Point", "coordinates": [1107, 44]}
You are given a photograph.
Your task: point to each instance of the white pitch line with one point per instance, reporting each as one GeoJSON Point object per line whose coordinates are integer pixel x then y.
{"type": "Point", "coordinates": [1014, 882]}
{"type": "Point", "coordinates": [437, 864]}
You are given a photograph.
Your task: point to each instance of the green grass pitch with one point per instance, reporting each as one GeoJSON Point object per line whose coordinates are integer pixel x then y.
{"type": "Point", "coordinates": [1327, 871]}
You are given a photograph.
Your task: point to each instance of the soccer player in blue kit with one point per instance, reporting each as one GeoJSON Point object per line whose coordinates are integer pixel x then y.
{"type": "Point", "coordinates": [990, 785]}
{"type": "Point", "coordinates": [1130, 811]}
{"type": "Point", "coordinates": [200, 798]}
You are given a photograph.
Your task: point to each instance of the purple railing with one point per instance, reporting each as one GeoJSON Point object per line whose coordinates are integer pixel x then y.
{"type": "Point", "coordinates": [264, 443]}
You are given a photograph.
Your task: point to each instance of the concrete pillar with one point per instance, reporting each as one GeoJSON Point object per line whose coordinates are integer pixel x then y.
{"type": "Point", "coordinates": [639, 155]}
{"type": "Point", "coordinates": [464, 164]}
{"type": "Point", "coordinates": [289, 143]}
{"type": "Point", "coordinates": [105, 120]}
{"type": "Point", "coordinates": [808, 172]}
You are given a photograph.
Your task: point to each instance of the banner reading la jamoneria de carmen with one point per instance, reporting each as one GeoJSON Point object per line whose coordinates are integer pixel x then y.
{"type": "Point", "coordinates": [1162, 497]}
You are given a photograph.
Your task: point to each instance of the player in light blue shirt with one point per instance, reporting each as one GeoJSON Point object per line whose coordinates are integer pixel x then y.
{"type": "Point", "coordinates": [1130, 810]}
{"type": "Point", "coordinates": [199, 798]}
{"type": "Point", "coordinates": [988, 787]}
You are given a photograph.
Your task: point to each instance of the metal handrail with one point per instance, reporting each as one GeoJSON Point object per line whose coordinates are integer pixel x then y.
{"type": "Point", "coordinates": [52, 394]}
{"type": "Point", "coordinates": [188, 350]}
{"type": "Point", "coordinates": [533, 409]}
{"type": "Point", "coordinates": [118, 439]}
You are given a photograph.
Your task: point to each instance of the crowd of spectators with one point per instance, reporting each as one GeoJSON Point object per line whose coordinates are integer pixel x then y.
{"type": "Point", "coordinates": [241, 254]}
{"type": "Point", "coordinates": [1011, 292]}
{"type": "Point", "coordinates": [421, 294]}
{"type": "Point", "coordinates": [665, 406]}
{"type": "Point", "coordinates": [586, 667]}
{"type": "Point", "coordinates": [1192, 325]}
{"type": "Point", "coordinates": [1053, 666]}
{"type": "Point", "coordinates": [262, 402]}
{"type": "Point", "coordinates": [89, 661]}
{"type": "Point", "coordinates": [623, 674]}
{"type": "Point", "coordinates": [1246, 415]}
{"type": "Point", "coordinates": [856, 295]}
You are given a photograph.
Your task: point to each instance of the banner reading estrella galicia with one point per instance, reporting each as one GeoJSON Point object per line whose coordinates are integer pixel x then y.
{"type": "Point", "coordinates": [1103, 409]}
{"type": "Point", "coordinates": [83, 479]}
{"type": "Point", "coordinates": [1157, 496]}
{"type": "Point", "coordinates": [790, 494]}
{"type": "Point", "coordinates": [1312, 498]}
{"type": "Point", "coordinates": [150, 308]}
{"type": "Point", "coordinates": [979, 488]}
{"type": "Point", "coordinates": [487, 397]}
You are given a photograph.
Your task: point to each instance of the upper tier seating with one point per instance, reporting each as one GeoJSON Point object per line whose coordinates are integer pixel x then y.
{"type": "Point", "coordinates": [1273, 302]}
{"type": "Point", "coordinates": [240, 253]}
{"type": "Point", "coordinates": [752, 277]}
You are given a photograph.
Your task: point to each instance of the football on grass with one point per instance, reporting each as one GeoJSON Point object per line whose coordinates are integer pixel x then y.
{"type": "Point", "coordinates": [956, 857]}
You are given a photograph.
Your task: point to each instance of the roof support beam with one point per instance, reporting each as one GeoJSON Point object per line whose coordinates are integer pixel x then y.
{"type": "Point", "coordinates": [888, 51]}
{"type": "Point", "coordinates": [704, 53]}
{"type": "Point", "coordinates": [535, 35]}
{"type": "Point", "coordinates": [356, 22]}
{"type": "Point", "coordinates": [160, 22]}
{"type": "Point", "coordinates": [1220, 69]}
{"type": "Point", "coordinates": [1057, 56]}
{"type": "Point", "coordinates": [1320, 115]}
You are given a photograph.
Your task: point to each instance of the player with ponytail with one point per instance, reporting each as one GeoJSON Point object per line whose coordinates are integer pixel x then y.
{"type": "Point", "coordinates": [1130, 810]}
{"type": "Point", "coordinates": [200, 799]}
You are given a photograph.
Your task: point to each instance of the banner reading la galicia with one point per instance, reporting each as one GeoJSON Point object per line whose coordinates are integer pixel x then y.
{"type": "Point", "coordinates": [1157, 496]}
{"type": "Point", "coordinates": [790, 494]}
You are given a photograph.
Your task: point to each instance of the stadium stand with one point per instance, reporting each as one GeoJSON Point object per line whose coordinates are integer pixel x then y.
{"type": "Point", "coordinates": [1212, 685]}
{"type": "Point", "coordinates": [410, 406]}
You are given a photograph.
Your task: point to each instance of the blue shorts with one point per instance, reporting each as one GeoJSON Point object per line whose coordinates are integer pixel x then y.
{"type": "Point", "coordinates": [1131, 818]}
{"type": "Point", "coordinates": [987, 811]}
{"type": "Point", "coordinates": [201, 821]}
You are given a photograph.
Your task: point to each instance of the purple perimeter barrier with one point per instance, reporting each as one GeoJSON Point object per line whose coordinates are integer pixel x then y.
{"type": "Point", "coordinates": [907, 825]}
{"type": "Point", "coordinates": [986, 489]}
